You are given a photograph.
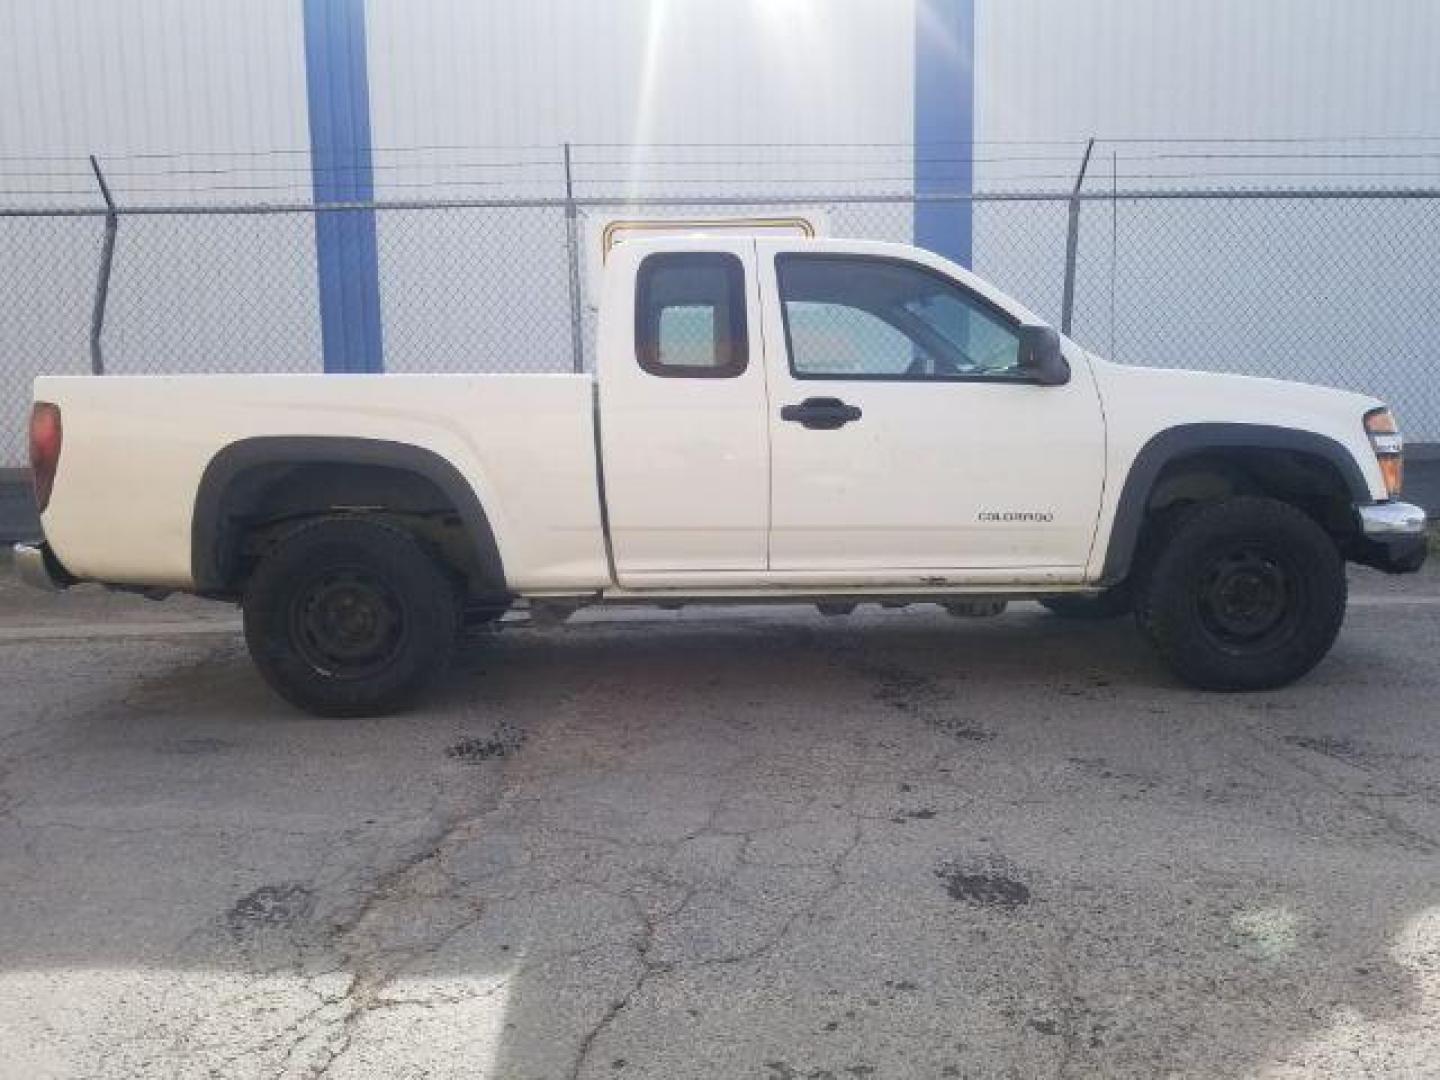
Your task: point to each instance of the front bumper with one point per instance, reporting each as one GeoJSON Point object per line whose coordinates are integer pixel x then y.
{"type": "Point", "coordinates": [37, 567]}
{"type": "Point", "coordinates": [1392, 537]}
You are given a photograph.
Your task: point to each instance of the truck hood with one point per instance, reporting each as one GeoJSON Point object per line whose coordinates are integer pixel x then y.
{"type": "Point", "coordinates": [1201, 396]}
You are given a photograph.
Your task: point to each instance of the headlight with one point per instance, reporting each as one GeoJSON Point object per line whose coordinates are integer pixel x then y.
{"type": "Point", "coordinates": [1389, 448]}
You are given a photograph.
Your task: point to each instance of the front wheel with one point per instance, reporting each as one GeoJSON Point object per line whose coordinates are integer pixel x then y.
{"type": "Point", "coordinates": [349, 617]}
{"type": "Point", "coordinates": [1246, 594]}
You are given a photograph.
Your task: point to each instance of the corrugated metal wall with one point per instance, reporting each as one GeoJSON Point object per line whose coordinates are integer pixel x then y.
{"type": "Point", "coordinates": [196, 78]}
{"type": "Point", "coordinates": [1055, 69]}
{"type": "Point", "coordinates": [639, 71]}
{"type": "Point", "coordinates": [214, 77]}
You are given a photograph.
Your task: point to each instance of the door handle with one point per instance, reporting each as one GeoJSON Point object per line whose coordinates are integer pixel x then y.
{"type": "Point", "coordinates": [821, 413]}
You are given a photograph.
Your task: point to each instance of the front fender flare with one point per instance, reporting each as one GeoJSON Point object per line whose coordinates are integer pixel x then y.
{"type": "Point", "coordinates": [1184, 439]}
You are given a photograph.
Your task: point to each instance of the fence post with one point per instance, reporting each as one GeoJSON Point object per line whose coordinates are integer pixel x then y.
{"type": "Point", "coordinates": [102, 282]}
{"type": "Point", "coordinates": [1072, 243]}
{"type": "Point", "coordinates": [572, 250]}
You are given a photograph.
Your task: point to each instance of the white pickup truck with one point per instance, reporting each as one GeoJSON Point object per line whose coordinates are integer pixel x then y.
{"type": "Point", "coordinates": [823, 421]}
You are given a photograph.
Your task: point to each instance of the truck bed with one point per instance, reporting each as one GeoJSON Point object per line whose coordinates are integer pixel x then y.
{"type": "Point", "coordinates": [137, 447]}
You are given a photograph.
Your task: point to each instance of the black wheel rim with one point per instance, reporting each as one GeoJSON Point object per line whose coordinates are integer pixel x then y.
{"type": "Point", "coordinates": [348, 623]}
{"type": "Point", "coordinates": [1249, 598]}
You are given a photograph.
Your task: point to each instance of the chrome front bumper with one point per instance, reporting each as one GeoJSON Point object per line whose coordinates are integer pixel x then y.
{"type": "Point", "coordinates": [1392, 537]}
{"type": "Point", "coordinates": [36, 567]}
{"type": "Point", "coordinates": [1392, 519]}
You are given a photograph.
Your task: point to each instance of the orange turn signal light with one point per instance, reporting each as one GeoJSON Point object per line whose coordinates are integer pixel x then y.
{"type": "Point", "coordinates": [1392, 468]}
{"type": "Point", "coordinates": [1389, 448]}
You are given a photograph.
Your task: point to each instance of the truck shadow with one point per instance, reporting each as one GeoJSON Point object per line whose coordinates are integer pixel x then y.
{"type": "Point", "coordinates": [748, 844]}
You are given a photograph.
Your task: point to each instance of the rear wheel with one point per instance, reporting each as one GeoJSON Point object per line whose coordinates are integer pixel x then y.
{"type": "Point", "coordinates": [1246, 594]}
{"type": "Point", "coordinates": [350, 617]}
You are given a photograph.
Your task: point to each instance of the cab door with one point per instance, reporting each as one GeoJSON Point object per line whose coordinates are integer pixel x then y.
{"type": "Point", "coordinates": [684, 432]}
{"type": "Point", "coordinates": [904, 435]}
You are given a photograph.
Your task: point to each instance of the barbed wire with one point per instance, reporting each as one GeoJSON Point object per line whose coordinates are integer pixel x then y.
{"type": "Point", "coordinates": [799, 145]}
{"type": "Point", "coordinates": [534, 168]}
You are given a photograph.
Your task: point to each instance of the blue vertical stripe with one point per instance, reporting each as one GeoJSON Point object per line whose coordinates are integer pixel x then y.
{"type": "Point", "coordinates": [945, 124]}
{"type": "Point", "coordinates": [338, 91]}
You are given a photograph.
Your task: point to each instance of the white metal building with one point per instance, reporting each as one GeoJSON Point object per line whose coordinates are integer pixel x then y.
{"type": "Point", "coordinates": [206, 101]}
{"type": "Point", "coordinates": [216, 76]}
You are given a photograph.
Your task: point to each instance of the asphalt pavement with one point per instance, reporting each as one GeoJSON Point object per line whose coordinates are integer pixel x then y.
{"type": "Point", "coordinates": [719, 843]}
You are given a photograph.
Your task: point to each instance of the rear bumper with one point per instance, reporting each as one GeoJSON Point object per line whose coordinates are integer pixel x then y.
{"type": "Point", "coordinates": [1391, 538]}
{"type": "Point", "coordinates": [36, 566]}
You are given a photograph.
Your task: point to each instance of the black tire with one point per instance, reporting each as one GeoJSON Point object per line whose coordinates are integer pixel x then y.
{"type": "Point", "coordinates": [350, 617]}
{"type": "Point", "coordinates": [479, 623]}
{"type": "Point", "coordinates": [482, 616]}
{"type": "Point", "coordinates": [1110, 604]}
{"type": "Point", "coordinates": [1153, 540]}
{"type": "Point", "coordinates": [1245, 594]}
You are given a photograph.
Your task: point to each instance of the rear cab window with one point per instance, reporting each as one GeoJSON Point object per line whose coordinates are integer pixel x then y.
{"type": "Point", "coordinates": [690, 315]}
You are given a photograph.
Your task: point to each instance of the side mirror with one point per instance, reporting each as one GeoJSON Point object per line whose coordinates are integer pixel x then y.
{"type": "Point", "coordinates": [1041, 359]}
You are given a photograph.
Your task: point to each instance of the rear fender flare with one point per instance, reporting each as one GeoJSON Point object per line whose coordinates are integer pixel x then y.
{"type": "Point", "coordinates": [209, 519]}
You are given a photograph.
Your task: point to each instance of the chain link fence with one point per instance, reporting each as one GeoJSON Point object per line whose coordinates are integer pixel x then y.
{"type": "Point", "coordinates": [1325, 286]}
{"type": "Point", "coordinates": [47, 282]}
{"type": "Point", "coordinates": [1331, 288]}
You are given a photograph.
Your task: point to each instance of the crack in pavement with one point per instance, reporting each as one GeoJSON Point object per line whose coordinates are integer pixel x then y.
{"type": "Point", "coordinates": [1392, 824]}
{"type": "Point", "coordinates": [645, 944]}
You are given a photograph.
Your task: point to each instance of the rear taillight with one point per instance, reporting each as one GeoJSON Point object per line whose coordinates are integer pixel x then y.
{"type": "Point", "coordinates": [46, 435]}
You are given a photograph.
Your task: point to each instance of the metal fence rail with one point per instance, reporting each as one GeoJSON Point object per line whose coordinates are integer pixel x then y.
{"type": "Point", "coordinates": [1332, 286]}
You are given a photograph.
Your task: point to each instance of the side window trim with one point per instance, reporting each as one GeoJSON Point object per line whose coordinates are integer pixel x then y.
{"type": "Point", "coordinates": [737, 342]}
{"type": "Point", "coordinates": [981, 302]}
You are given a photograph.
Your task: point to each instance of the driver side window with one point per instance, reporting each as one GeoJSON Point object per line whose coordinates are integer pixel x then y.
{"type": "Point", "coordinates": [865, 317]}
{"type": "Point", "coordinates": [834, 339]}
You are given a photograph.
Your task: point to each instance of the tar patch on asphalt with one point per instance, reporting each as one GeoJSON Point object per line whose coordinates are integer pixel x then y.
{"type": "Point", "coordinates": [476, 748]}
{"type": "Point", "coordinates": [1341, 748]}
{"type": "Point", "coordinates": [783, 1070]}
{"type": "Point", "coordinates": [963, 730]}
{"type": "Point", "coordinates": [922, 814]}
{"type": "Point", "coordinates": [271, 906]}
{"type": "Point", "coordinates": [981, 888]}
{"type": "Point", "coordinates": [903, 690]}
{"type": "Point", "coordinates": [194, 746]}
{"type": "Point", "coordinates": [916, 694]}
